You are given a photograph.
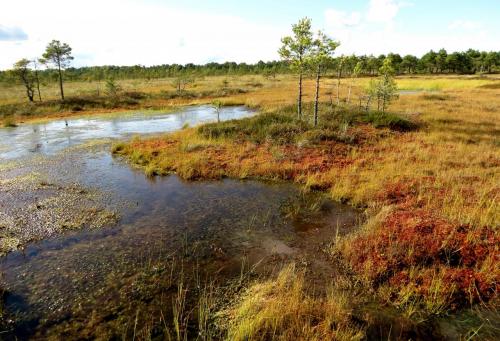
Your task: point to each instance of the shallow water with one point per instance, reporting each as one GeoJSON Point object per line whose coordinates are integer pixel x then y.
{"type": "Point", "coordinates": [53, 136]}
{"type": "Point", "coordinates": [217, 224]}
{"type": "Point", "coordinates": [88, 283]}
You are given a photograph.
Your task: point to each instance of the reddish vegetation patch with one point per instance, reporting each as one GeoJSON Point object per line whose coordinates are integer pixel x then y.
{"type": "Point", "coordinates": [153, 144]}
{"type": "Point", "coordinates": [414, 238]}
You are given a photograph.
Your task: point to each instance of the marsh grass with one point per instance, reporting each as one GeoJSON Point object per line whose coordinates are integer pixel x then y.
{"type": "Point", "coordinates": [9, 122]}
{"type": "Point", "coordinates": [434, 166]}
{"type": "Point", "coordinates": [446, 171]}
{"type": "Point", "coordinates": [281, 127]}
{"type": "Point", "coordinates": [281, 309]}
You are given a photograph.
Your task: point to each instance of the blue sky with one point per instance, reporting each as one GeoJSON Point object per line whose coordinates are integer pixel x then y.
{"type": "Point", "coordinates": [127, 32]}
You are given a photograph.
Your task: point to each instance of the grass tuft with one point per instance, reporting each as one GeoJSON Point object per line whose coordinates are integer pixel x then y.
{"type": "Point", "coordinates": [280, 309]}
{"type": "Point", "coordinates": [9, 122]}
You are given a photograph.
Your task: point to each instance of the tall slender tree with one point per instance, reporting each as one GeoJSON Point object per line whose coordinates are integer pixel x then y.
{"type": "Point", "coordinates": [358, 68]}
{"type": "Point", "coordinates": [321, 56]}
{"type": "Point", "coordinates": [37, 78]}
{"type": "Point", "coordinates": [59, 55]}
{"type": "Point", "coordinates": [296, 50]}
{"type": "Point", "coordinates": [340, 66]}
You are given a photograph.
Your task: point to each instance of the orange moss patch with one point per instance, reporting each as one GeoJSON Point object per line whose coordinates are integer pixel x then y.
{"type": "Point", "coordinates": [464, 258]}
{"type": "Point", "coordinates": [241, 160]}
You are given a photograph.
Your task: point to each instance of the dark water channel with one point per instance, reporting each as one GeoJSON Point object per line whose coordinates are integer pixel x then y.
{"type": "Point", "coordinates": [121, 280]}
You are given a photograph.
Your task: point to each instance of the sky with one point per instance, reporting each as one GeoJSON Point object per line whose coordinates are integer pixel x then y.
{"type": "Point", "coordinates": [152, 32]}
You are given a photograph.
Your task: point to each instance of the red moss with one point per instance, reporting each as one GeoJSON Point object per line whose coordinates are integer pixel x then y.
{"type": "Point", "coordinates": [417, 239]}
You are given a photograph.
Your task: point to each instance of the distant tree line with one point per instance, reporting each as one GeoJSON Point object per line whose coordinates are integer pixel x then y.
{"type": "Point", "coordinates": [440, 62]}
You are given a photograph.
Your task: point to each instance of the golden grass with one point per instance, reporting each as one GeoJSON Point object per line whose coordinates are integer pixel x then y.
{"type": "Point", "coordinates": [280, 309]}
{"type": "Point", "coordinates": [451, 165]}
{"type": "Point", "coordinates": [454, 159]}
{"type": "Point", "coordinates": [449, 168]}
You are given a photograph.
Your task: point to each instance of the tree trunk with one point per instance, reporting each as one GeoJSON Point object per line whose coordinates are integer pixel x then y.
{"type": "Point", "coordinates": [368, 101]}
{"type": "Point", "coordinates": [316, 99]}
{"type": "Point", "coordinates": [339, 74]}
{"type": "Point", "coordinates": [299, 100]}
{"type": "Point", "coordinates": [61, 82]}
{"type": "Point", "coordinates": [349, 93]}
{"type": "Point", "coordinates": [29, 94]}
{"type": "Point", "coordinates": [29, 89]}
{"type": "Point", "coordinates": [38, 85]}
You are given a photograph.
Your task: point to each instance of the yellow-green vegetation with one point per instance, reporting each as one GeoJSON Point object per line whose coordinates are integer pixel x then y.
{"type": "Point", "coordinates": [281, 309]}
{"type": "Point", "coordinates": [9, 121]}
{"type": "Point", "coordinates": [86, 98]}
{"type": "Point", "coordinates": [431, 194]}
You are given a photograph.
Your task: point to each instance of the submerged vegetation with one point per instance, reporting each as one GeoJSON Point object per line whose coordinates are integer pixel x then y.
{"type": "Point", "coordinates": [419, 155]}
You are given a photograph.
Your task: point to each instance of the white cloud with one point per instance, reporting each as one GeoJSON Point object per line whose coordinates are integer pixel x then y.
{"type": "Point", "coordinates": [383, 11]}
{"type": "Point", "coordinates": [134, 32]}
{"type": "Point", "coordinates": [340, 19]}
{"type": "Point", "coordinates": [368, 36]}
{"type": "Point", "coordinates": [128, 32]}
{"type": "Point", "coordinates": [464, 25]}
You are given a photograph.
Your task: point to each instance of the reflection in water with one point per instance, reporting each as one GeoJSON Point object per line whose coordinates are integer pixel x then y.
{"type": "Point", "coordinates": [208, 225]}
{"type": "Point", "coordinates": [96, 281]}
{"type": "Point", "coordinates": [53, 136]}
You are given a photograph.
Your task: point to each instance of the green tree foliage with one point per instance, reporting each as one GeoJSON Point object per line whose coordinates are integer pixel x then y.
{"type": "Point", "coordinates": [409, 64]}
{"type": "Point", "coordinates": [182, 81]}
{"type": "Point", "coordinates": [321, 56]}
{"type": "Point", "coordinates": [428, 62]}
{"type": "Point", "coordinates": [58, 55]}
{"type": "Point", "coordinates": [440, 60]}
{"type": "Point", "coordinates": [217, 105]}
{"type": "Point", "coordinates": [384, 89]}
{"type": "Point", "coordinates": [112, 88]}
{"type": "Point", "coordinates": [296, 50]}
{"type": "Point", "coordinates": [23, 72]}
{"type": "Point", "coordinates": [467, 62]}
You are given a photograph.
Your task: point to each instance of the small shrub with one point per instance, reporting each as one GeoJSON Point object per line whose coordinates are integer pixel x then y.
{"type": "Point", "coordinates": [283, 133]}
{"type": "Point", "coordinates": [135, 95]}
{"type": "Point", "coordinates": [495, 85]}
{"type": "Point", "coordinates": [117, 148]}
{"type": "Point", "coordinates": [218, 130]}
{"type": "Point", "coordinates": [388, 120]}
{"type": "Point", "coordinates": [150, 170]}
{"type": "Point", "coordinates": [254, 84]}
{"type": "Point", "coordinates": [436, 97]}
{"type": "Point", "coordinates": [9, 122]}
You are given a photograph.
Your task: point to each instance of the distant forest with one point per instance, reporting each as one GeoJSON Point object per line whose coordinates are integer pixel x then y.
{"type": "Point", "coordinates": [468, 62]}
